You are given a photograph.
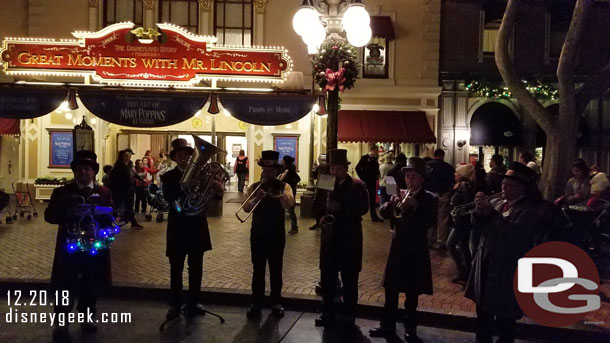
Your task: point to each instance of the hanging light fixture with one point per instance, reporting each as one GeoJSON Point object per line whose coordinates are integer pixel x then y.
{"type": "Point", "coordinates": [72, 104]}
{"type": "Point", "coordinates": [314, 26]}
{"type": "Point", "coordinates": [356, 16]}
{"type": "Point", "coordinates": [305, 16]}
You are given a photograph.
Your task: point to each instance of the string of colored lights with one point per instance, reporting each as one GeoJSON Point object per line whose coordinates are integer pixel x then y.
{"type": "Point", "coordinates": [539, 90]}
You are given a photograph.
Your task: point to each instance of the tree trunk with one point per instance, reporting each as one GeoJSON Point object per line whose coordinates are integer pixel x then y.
{"type": "Point", "coordinates": [561, 134]}
{"type": "Point", "coordinates": [568, 115]}
{"type": "Point", "coordinates": [332, 120]}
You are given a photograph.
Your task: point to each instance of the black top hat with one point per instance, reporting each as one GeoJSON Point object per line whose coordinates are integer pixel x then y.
{"type": "Point", "coordinates": [416, 164]}
{"type": "Point", "coordinates": [179, 144]}
{"type": "Point", "coordinates": [338, 157]}
{"type": "Point", "coordinates": [269, 158]}
{"type": "Point", "coordinates": [520, 172]}
{"type": "Point", "coordinates": [288, 159]}
{"type": "Point", "coordinates": [85, 157]}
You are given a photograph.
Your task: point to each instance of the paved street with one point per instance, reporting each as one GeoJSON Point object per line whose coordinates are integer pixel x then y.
{"type": "Point", "coordinates": [138, 260]}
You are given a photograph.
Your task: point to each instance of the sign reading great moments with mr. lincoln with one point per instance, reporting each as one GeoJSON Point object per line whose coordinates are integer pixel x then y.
{"type": "Point", "coordinates": [120, 54]}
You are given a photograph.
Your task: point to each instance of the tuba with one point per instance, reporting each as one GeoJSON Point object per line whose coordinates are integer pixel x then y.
{"type": "Point", "coordinates": [198, 178]}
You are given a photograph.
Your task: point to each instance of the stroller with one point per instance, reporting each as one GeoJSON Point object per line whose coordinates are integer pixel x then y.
{"type": "Point", "coordinates": [158, 204]}
{"type": "Point", "coordinates": [5, 207]}
{"type": "Point", "coordinates": [25, 202]}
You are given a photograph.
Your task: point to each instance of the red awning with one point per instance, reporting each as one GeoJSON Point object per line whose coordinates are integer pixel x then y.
{"type": "Point", "coordinates": [9, 127]}
{"type": "Point", "coordinates": [384, 126]}
{"type": "Point", "coordinates": [382, 27]}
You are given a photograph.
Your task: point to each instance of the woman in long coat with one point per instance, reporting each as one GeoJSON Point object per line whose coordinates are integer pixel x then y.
{"type": "Point", "coordinates": [122, 183]}
{"type": "Point", "coordinates": [408, 269]}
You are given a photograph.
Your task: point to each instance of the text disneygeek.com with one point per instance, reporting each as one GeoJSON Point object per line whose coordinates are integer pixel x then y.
{"type": "Point", "coordinates": [19, 302]}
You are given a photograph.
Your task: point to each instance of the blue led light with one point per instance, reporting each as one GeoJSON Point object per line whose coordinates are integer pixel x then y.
{"type": "Point", "coordinates": [72, 247]}
{"type": "Point", "coordinates": [93, 251]}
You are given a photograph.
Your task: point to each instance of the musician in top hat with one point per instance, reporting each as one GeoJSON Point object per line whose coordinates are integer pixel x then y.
{"type": "Point", "coordinates": [268, 233]}
{"type": "Point", "coordinates": [186, 235]}
{"type": "Point", "coordinates": [506, 225]}
{"type": "Point", "coordinates": [341, 246]}
{"type": "Point", "coordinates": [81, 273]}
{"type": "Point", "coordinates": [408, 268]}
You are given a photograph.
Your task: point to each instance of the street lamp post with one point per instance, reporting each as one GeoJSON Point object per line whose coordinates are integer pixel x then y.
{"type": "Point", "coordinates": [319, 21]}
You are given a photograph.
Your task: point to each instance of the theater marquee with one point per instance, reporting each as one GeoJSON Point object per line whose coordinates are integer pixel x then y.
{"type": "Point", "coordinates": [120, 54]}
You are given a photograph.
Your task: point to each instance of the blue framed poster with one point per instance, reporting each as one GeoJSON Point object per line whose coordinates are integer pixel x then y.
{"type": "Point", "coordinates": [287, 145]}
{"type": "Point", "coordinates": [61, 148]}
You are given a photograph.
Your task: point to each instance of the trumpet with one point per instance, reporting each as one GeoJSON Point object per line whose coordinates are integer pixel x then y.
{"type": "Point", "coordinates": [274, 188]}
{"type": "Point", "coordinates": [470, 207]}
{"type": "Point", "coordinates": [398, 208]}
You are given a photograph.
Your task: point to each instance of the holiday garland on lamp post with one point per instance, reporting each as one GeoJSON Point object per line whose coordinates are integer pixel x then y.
{"type": "Point", "coordinates": [335, 68]}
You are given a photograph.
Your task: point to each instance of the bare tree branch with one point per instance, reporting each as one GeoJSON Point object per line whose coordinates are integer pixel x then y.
{"type": "Point", "coordinates": [565, 67]}
{"type": "Point", "coordinates": [510, 76]}
{"type": "Point", "coordinates": [595, 85]}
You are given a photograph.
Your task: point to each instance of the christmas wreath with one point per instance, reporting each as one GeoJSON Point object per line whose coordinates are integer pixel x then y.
{"type": "Point", "coordinates": [336, 66]}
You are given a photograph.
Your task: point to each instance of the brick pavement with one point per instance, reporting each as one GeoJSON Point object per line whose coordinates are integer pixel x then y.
{"type": "Point", "coordinates": [138, 259]}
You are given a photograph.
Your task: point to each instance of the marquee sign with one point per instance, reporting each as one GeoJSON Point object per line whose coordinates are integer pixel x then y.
{"type": "Point", "coordinates": [120, 54]}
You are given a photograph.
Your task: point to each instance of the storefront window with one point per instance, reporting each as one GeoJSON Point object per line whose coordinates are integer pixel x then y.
{"type": "Point", "coordinates": [183, 13]}
{"type": "Point", "coordinates": [375, 64]}
{"type": "Point", "coordinates": [116, 11]}
{"type": "Point", "coordinates": [233, 22]}
{"type": "Point", "coordinates": [490, 36]}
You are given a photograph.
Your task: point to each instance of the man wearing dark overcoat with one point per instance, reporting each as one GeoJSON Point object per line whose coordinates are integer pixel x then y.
{"type": "Point", "coordinates": [368, 171]}
{"type": "Point", "coordinates": [408, 268]}
{"type": "Point", "coordinates": [187, 235]}
{"type": "Point", "coordinates": [81, 273]}
{"type": "Point", "coordinates": [341, 246]}
{"type": "Point", "coordinates": [507, 226]}
{"type": "Point", "coordinates": [268, 233]}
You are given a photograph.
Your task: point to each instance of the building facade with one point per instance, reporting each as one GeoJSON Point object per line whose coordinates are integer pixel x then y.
{"type": "Point", "coordinates": [468, 33]}
{"type": "Point", "coordinates": [407, 81]}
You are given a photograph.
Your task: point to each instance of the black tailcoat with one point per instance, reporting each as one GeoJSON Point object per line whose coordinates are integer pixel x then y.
{"type": "Point", "coordinates": [185, 234]}
{"type": "Point", "coordinates": [344, 248]}
{"type": "Point", "coordinates": [408, 268]}
{"type": "Point", "coordinates": [62, 199]}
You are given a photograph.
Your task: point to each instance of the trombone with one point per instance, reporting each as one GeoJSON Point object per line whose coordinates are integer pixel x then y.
{"type": "Point", "coordinates": [275, 194]}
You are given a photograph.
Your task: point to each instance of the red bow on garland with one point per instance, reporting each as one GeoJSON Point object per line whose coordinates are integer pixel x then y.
{"type": "Point", "coordinates": [334, 79]}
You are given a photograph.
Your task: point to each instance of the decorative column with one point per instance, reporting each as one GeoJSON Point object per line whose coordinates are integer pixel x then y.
{"type": "Point", "coordinates": [445, 128]}
{"type": "Point", "coordinates": [259, 21]}
{"type": "Point", "coordinates": [149, 13]}
{"type": "Point", "coordinates": [94, 23]}
{"type": "Point", "coordinates": [206, 17]}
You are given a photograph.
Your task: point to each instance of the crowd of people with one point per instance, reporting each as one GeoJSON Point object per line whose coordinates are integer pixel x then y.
{"type": "Point", "coordinates": [129, 182]}
{"type": "Point", "coordinates": [485, 221]}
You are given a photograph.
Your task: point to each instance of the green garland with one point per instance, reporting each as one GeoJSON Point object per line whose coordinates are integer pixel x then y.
{"type": "Point", "coordinates": [539, 90]}
{"type": "Point", "coordinates": [334, 54]}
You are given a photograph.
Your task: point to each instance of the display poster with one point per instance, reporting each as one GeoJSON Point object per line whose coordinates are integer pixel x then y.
{"type": "Point", "coordinates": [61, 148]}
{"type": "Point", "coordinates": [287, 145]}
